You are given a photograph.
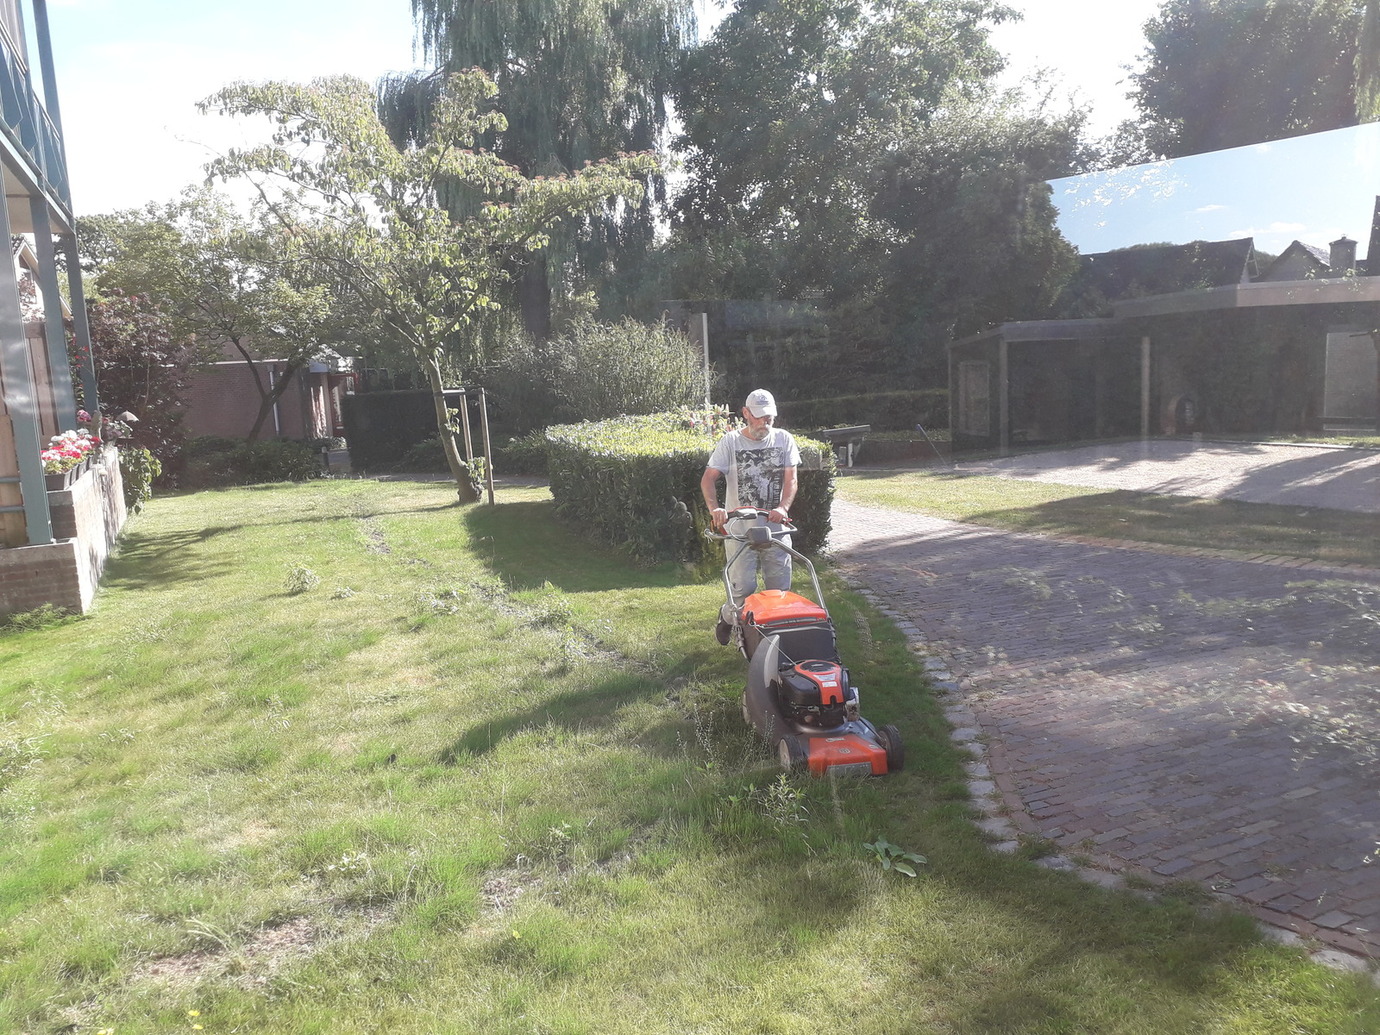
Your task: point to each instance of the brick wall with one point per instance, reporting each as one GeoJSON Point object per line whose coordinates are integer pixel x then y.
{"type": "Point", "coordinates": [87, 519]}
{"type": "Point", "coordinates": [222, 399]}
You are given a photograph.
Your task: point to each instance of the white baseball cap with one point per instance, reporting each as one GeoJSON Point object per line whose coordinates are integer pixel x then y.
{"type": "Point", "coordinates": [761, 404]}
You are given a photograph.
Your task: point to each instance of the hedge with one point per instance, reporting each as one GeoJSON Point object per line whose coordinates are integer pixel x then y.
{"type": "Point", "coordinates": [382, 426]}
{"type": "Point", "coordinates": [885, 411]}
{"type": "Point", "coordinates": [634, 482]}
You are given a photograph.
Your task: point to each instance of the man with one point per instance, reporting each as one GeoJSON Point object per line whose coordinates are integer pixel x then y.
{"type": "Point", "coordinates": [759, 465]}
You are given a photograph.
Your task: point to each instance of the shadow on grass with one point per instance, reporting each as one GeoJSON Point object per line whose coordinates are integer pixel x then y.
{"type": "Point", "coordinates": [589, 708]}
{"type": "Point", "coordinates": [145, 561]}
{"type": "Point", "coordinates": [528, 546]}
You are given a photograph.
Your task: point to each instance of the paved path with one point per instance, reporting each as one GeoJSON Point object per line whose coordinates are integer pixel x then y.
{"type": "Point", "coordinates": [1181, 716]}
{"type": "Point", "coordinates": [1259, 472]}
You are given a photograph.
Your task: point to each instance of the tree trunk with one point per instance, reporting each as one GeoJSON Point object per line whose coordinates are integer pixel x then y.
{"type": "Point", "coordinates": [459, 470]}
{"type": "Point", "coordinates": [268, 400]}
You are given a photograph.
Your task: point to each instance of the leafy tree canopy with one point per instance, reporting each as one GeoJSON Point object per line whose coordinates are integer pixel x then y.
{"type": "Point", "coordinates": [578, 80]}
{"type": "Point", "coordinates": [229, 283]}
{"type": "Point", "coordinates": [786, 98]}
{"type": "Point", "coordinates": [1226, 73]}
{"type": "Point", "coordinates": [354, 202]}
{"type": "Point", "coordinates": [860, 155]}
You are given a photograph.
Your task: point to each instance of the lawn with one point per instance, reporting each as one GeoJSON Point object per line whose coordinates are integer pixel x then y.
{"type": "Point", "coordinates": [343, 757]}
{"type": "Point", "coordinates": [1330, 536]}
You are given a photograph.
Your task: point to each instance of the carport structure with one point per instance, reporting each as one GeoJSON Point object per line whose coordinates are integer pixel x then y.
{"type": "Point", "coordinates": [1266, 357]}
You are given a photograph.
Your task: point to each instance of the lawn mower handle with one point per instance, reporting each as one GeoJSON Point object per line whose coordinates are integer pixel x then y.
{"type": "Point", "coordinates": [742, 513]}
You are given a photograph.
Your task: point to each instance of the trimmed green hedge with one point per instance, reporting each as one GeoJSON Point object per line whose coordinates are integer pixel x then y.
{"type": "Point", "coordinates": [634, 482]}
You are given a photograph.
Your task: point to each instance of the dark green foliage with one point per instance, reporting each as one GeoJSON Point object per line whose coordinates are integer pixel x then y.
{"type": "Point", "coordinates": [885, 411]}
{"type": "Point", "coordinates": [861, 155]}
{"type": "Point", "coordinates": [214, 461]}
{"type": "Point", "coordinates": [525, 454]}
{"type": "Point", "coordinates": [578, 81]}
{"type": "Point", "coordinates": [519, 382]}
{"type": "Point", "coordinates": [1226, 73]}
{"type": "Point", "coordinates": [382, 426]}
{"type": "Point", "coordinates": [142, 366]}
{"type": "Point", "coordinates": [139, 469]}
{"type": "Point", "coordinates": [1249, 371]}
{"type": "Point", "coordinates": [634, 483]}
{"type": "Point", "coordinates": [1154, 269]}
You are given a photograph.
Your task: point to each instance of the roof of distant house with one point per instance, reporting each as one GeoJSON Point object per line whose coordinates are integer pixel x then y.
{"type": "Point", "coordinates": [1162, 269]}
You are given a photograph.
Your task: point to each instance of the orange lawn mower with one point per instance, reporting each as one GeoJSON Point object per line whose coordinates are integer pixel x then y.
{"type": "Point", "coordinates": [799, 696]}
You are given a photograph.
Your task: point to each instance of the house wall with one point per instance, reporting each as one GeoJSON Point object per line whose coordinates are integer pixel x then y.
{"type": "Point", "coordinates": [87, 519]}
{"type": "Point", "coordinates": [222, 400]}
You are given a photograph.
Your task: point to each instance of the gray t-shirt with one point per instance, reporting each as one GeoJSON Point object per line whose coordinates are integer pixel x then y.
{"type": "Point", "coordinates": [753, 469]}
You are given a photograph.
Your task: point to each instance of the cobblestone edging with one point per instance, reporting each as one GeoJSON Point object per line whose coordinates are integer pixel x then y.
{"type": "Point", "coordinates": [1001, 813]}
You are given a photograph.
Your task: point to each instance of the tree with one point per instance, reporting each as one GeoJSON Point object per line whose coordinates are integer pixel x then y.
{"type": "Point", "coordinates": [789, 101]}
{"type": "Point", "coordinates": [1368, 65]}
{"type": "Point", "coordinates": [860, 155]}
{"type": "Point", "coordinates": [226, 281]}
{"type": "Point", "coordinates": [577, 80]}
{"type": "Point", "coordinates": [964, 228]}
{"type": "Point", "coordinates": [1226, 73]}
{"type": "Point", "coordinates": [376, 218]}
{"type": "Point", "coordinates": [141, 363]}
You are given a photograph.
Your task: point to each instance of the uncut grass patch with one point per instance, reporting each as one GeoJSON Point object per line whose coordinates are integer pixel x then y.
{"type": "Point", "coordinates": [484, 777]}
{"type": "Point", "coordinates": [1331, 536]}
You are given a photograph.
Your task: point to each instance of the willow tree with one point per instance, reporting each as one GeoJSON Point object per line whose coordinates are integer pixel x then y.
{"type": "Point", "coordinates": [369, 212]}
{"type": "Point", "coordinates": [1368, 65]}
{"type": "Point", "coordinates": [577, 80]}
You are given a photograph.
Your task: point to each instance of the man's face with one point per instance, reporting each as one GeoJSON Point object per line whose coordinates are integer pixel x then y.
{"type": "Point", "coordinates": [758, 426]}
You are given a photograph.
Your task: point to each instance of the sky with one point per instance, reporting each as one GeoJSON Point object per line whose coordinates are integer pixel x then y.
{"type": "Point", "coordinates": [131, 71]}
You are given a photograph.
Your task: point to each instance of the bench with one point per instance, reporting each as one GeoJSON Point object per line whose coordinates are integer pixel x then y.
{"type": "Point", "coordinates": [846, 441]}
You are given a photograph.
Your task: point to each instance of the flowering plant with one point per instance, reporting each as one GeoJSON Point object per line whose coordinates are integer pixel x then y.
{"type": "Point", "coordinates": [67, 450]}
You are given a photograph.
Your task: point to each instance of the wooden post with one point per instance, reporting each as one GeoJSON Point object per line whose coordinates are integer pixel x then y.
{"type": "Point", "coordinates": [465, 424]}
{"type": "Point", "coordinates": [1145, 387]}
{"type": "Point", "coordinates": [1003, 400]}
{"type": "Point", "coordinates": [488, 451]}
{"type": "Point", "coordinates": [704, 348]}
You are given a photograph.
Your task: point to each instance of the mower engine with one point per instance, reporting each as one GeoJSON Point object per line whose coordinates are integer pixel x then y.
{"type": "Point", "coordinates": [816, 693]}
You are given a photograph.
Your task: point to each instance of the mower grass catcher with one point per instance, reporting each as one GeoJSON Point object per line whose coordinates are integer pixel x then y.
{"type": "Point", "coordinates": [798, 697]}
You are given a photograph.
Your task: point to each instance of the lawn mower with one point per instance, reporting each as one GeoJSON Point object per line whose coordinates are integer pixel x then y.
{"type": "Point", "coordinates": [798, 696]}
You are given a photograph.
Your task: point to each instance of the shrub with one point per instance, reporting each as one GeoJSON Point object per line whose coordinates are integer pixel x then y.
{"type": "Point", "coordinates": [142, 365]}
{"type": "Point", "coordinates": [213, 461]}
{"type": "Point", "coordinates": [523, 455]}
{"type": "Point", "coordinates": [138, 470]}
{"type": "Point", "coordinates": [634, 483]}
{"type": "Point", "coordinates": [520, 384]}
{"type": "Point", "coordinates": [608, 370]}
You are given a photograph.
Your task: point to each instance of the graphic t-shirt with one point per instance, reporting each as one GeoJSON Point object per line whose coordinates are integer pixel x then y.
{"type": "Point", "coordinates": [754, 470]}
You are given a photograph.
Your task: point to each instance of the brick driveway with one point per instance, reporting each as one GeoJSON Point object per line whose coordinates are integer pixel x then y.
{"type": "Point", "coordinates": [1161, 712]}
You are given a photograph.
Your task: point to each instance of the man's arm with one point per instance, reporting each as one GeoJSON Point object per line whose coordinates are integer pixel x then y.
{"type": "Point", "coordinates": [789, 483]}
{"type": "Point", "coordinates": [709, 489]}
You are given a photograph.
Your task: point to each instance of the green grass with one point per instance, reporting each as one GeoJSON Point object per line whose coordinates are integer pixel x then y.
{"type": "Point", "coordinates": [1331, 536]}
{"type": "Point", "coordinates": [478, 776]}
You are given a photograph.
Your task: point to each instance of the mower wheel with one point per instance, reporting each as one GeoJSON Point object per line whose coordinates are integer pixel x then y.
{"type": "Point", "coordinates": [890, 737]}
{"type": "Point", "coordinates": [790, 753]}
